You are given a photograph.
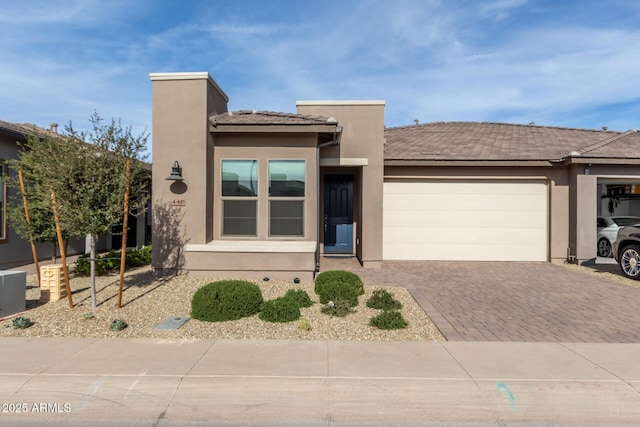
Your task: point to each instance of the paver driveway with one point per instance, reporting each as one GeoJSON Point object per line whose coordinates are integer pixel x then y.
{"type": "Point", "coordinates": [512, 301]}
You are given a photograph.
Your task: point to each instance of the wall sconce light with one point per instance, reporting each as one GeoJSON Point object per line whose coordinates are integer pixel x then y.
{"type": "Point", "coordinates": [176, 173]}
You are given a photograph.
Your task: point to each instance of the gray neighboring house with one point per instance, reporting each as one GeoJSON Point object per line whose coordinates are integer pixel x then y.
{"type": "Point", "coordinates": [15, 251]}
{"type": "Point", "coordinates": [267, 193]}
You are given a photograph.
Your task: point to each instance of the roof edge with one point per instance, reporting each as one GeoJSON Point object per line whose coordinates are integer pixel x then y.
{"type": "Point", "coordinates": [342, 102]}
{"type": "Point", "coordinates": [467, 162]}
{"type": "Point", "coordinates": [191, 75]}
{"type": "Point", "coordinates": [440, 122]}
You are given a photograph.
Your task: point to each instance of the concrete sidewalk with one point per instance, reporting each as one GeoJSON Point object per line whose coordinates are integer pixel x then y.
{"type": "Point", "coordinates": [127, 382]}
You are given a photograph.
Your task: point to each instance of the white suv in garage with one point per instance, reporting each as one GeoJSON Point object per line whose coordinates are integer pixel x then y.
{"type": "Point", "coordinates": [608, 230]}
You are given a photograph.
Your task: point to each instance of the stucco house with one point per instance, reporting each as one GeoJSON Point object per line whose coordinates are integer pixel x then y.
{"type": "Point", "coordinates": [15, 251]}
{"type": "Point", "coordinates": [256, 193]}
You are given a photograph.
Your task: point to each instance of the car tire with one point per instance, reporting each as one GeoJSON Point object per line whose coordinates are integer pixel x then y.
{"type": "Point", "coordinates": [629, 261]}
{"type": "Point", "coordinates": [604, 248]}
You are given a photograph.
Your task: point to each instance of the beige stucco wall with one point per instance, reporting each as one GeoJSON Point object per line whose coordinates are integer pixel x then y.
{"type": "Point", "coordinates": [362, 138]}
{"type": "Point", "coordinates": [557, 184]}
{"type": "Point", "coordinates": [187, 220]}
{"type": "Point", "coordinates": [182, 212]}
{"type": "Point", "coordinates": [265, 147]}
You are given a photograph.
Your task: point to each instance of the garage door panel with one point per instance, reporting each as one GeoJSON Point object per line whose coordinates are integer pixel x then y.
{"type": "Point", "coordinates": [481, 252]}
{"type": "Point", "coordinates": [480, 220]}
{"type": "Point", "coordinates": [471, 202]}
{"type": "Point", "coordinates": [440, 236]}
{"type": "Point", "coordinates": [467, 187]}
{"type": "Point", "coordinates": [440, 219]}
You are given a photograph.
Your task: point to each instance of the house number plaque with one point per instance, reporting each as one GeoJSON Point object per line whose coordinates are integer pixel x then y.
{"type": "Point", "coordinates": [178, 202]}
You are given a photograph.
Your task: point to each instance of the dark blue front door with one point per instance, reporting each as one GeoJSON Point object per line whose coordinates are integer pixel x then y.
{"type": "Point", "coordinates": [338, 214]}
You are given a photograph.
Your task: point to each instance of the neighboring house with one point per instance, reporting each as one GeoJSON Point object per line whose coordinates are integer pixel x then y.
{"type": "Point", "coordinates": [268, 194]}
{"type": "Point", "coordinates": [15, 251]}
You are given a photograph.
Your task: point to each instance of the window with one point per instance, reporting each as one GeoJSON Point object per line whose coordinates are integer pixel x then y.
{"type": "Point", "coordinates": [3, 204]}
{"type": "Point", "coordinates": [286, 197]}
{"type": "Point", "coordinates": [239, 197]}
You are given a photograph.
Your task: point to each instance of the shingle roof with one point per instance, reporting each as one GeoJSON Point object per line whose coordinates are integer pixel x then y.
{"type": "Point", "coordinates": [500, 141]}
{"type": "Point", "coordinates": [249, 117]}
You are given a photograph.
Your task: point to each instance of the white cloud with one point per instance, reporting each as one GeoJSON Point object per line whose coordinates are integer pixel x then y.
{"type": "Point", "coordinates": [435, 60]}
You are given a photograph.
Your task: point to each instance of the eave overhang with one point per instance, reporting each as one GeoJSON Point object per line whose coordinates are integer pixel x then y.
{"type": "Point", "coordinates": [469, 163]}
{"type": "Point", "coordinates": [328, 128]}
{"type": "Point", "coordinates": [599, 161]}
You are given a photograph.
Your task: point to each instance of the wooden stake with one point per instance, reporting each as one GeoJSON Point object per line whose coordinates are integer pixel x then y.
{"type": "Point", "coordinates": [61, 245]}
{"type": "Point", "coordinates": [125, 223]}
{"type": "Point", "coordinates": [26, 214]}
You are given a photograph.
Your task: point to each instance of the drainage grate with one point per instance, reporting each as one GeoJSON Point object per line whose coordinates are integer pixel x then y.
{"type": "Point", "coordinates": [172, 323]}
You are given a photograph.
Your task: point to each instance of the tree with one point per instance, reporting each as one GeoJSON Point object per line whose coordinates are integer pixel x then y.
{"type": "Point", "coordinates": [86, 171]}
{"type": "Point", "coordinates": [35, 155]}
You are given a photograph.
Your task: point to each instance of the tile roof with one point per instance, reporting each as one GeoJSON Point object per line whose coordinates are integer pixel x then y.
{"type": "Point", "coordinates": [500, 141]}
{"type": "Point", "coordinates": [625, 146]}
{"type": "Point", "coordinates": [249, 117]}
{"type": "Point", "coordinates": [22, 128]}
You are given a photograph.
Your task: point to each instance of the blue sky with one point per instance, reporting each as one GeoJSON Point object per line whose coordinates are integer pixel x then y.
{"type": "Point", "coordinates": [557, 63]}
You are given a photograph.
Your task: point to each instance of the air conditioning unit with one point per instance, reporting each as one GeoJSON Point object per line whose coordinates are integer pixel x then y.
{"type": "Point", "coordinates": [13, 292]}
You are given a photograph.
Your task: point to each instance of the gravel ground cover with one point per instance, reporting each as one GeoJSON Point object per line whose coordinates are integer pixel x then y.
{"type": "Point", "coordinates": [148, 300]}
{"type": "Point", "coordinates": [607, 271]}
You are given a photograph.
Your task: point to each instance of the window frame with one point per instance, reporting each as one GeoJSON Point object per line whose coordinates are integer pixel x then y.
{"type": "Point", "coordinates": [226, 198]}
{"type": "Point", "coordinates": [301, 199]}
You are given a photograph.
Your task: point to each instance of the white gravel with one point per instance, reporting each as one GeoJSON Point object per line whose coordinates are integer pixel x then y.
{"type": "Point", "coordinates": [147, 300]}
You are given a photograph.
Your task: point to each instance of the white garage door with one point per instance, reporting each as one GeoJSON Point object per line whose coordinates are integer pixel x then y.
{"type": "Point", "coordinates": [470, 220]}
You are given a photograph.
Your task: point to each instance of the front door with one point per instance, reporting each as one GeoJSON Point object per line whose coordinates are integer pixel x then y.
{"type": "Point", "coordinates": [338, 214]}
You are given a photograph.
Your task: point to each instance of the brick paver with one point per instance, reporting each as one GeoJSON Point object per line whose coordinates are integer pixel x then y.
{"type": "Point", "coordinates": [513, 301]}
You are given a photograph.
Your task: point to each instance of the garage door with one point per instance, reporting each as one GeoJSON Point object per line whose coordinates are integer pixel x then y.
{"type": "Point", "coordinates": [475, 221]}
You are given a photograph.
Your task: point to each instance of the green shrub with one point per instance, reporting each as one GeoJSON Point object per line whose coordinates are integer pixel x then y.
{"type": "Point", "coordinates": [83, 266]}
{"type": "Point", "coordinates": [338, 308]}
{"type": "Point", "coordinates": [137, 257]}
{"type": "Point", "coordinates": [339, 276]}
{"type": "Point", "coordinates": [226, 300]}
{"type": "Point", "coordinates": [284, 309]}
{"type": "Point", "coordinates": [110, 261]}
{"type": "Point", "coordinates": [391, 319]}
{"type": "Point", "coordinates": [332, 291]}
{"type": "Point", "coordinates": [22, 322]}
{"type": "Point", "coordinates": [117, 325]}
{"type": "Point", "coordinates": [300, 296]}
{"type": "Point", "coordinates": [382, 299]}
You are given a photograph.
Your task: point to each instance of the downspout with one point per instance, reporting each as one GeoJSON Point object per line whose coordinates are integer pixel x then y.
{"type": "Point", "coordinates": [337, 135]}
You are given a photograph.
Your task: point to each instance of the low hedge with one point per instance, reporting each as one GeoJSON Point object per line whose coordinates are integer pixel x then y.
{"type": "Point", "coordinates": [339, 276]}
{"type": "Point", "coordinates": [391, 319]}
{"type": "Point", "coordinates": [110, 261]}
{"type": "Point", "coordinates": [300, 296]}
{"type": "Point", "coordinates": [337, 308]}
{"type": "Point", "coordinates": [384, 300]}
{"type": "Point", "coordinates": [226, 300]}
{"type": "Point", "coordinates": [281, 310]}
{"type": "Point", "coordinates": [332, 291]}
